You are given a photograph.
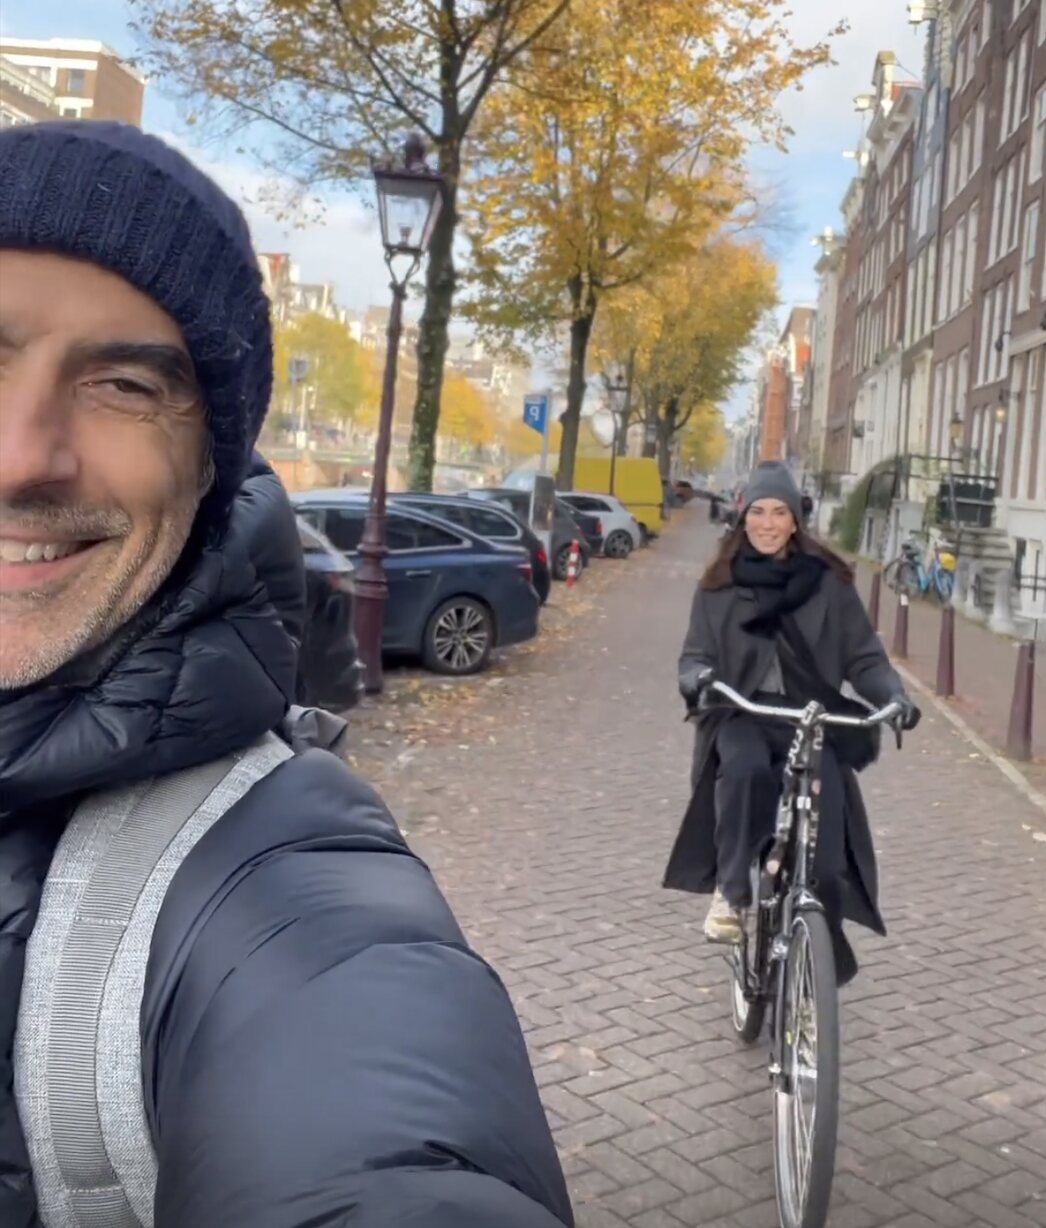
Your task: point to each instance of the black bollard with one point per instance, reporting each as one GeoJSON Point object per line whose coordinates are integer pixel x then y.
{"type": "Point", "coordinates": [1018, 741]}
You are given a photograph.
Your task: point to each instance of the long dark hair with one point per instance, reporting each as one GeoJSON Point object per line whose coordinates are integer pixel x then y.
{"type": "Point", "coordinates": [719, 573]}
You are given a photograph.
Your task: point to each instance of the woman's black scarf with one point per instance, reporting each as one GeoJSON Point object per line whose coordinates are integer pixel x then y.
{"type": "Point", "coordinates": [781, 585]}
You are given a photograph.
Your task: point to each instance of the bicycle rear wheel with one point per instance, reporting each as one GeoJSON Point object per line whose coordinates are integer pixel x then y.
{"type": "Point", "coordinates": [906, 579]}
{"type": "Point", "coordinates": [806, 1097]}
{"type": "Point", "coordinates": [944, 583]}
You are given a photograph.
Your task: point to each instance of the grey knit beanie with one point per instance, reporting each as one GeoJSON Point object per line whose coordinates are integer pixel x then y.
{"type": "Point", "coordinates": [773, 480]}
{"type": "Point", "coordinates": [123, 200]}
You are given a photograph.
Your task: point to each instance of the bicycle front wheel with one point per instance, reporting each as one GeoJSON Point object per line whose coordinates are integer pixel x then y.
{"type": "Point", "coordinates": [806, 1098]}
{"type": "Point", "coordinates": [944, 582]}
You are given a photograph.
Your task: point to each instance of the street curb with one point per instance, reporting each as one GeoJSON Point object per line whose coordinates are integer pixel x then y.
{"type": "Point", "coordinates": [1013, 774]}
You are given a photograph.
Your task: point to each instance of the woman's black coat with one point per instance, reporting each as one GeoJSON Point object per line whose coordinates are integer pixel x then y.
{"type": "Point", "coordinates": [836, 626]}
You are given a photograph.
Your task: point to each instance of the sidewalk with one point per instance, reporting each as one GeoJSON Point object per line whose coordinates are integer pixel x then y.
{"type": "Point", "coordinates": [985, 664]}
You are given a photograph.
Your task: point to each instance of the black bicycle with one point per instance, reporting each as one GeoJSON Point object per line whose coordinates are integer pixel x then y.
{"type": "Point", "coordinates": [785, 965]}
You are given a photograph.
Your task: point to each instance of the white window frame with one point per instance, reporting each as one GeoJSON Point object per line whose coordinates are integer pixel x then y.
{"type": "Point", "coordinates": [1037, 143]}
{"type": "Point", "coordinates": [958, 254]}
{"type": "Point", "coordinates": [946, 277]}
{"type": "Point", "coordinates": [972, 226]}
{"type": "Point", "coordinates": [966, 169]}
{"type": "Point", "coordinates": [1005, 125]}
{"type": "Point", "coordinates": [980, 113]}
{"type": "Point", "coordinates": [987, 318]}
{"type": "Point", "coordinates": [931, 287]}
{"type": "Point", "coordinates": [995, 222]}
{"type": "Point", "coordinates": [962, 382]}
{"type": "Point", "coordinates": [953, 167]}
{"type": "Point", "coordinates": [1029, 250]}
{"type": "Point", "coordinates": [1008, 208]}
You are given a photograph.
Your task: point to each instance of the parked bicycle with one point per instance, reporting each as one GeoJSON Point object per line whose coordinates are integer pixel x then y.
{"type": "Point", "coordinates": [908, 574]}
{"type": "Point", "coordinates": [785, 965]}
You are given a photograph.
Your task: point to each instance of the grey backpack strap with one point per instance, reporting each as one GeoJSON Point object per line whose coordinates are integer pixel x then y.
{"type": "Point", "coordinates": [96, 1192]}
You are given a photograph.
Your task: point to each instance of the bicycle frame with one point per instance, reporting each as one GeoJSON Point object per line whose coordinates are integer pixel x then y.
{"type": "Point", "coordinates": [782, 886]}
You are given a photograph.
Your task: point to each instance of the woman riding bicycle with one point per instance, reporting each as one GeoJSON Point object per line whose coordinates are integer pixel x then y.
{"type": "Point", "coordinates": [776, 616]}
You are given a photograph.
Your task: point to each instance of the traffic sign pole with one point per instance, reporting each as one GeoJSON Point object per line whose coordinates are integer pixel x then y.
{"type": "Point", "coordinates": [547, 431]}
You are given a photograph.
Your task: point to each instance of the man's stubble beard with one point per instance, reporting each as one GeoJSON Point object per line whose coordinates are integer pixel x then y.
{"type": "Point", "coordinates": [137, 580]}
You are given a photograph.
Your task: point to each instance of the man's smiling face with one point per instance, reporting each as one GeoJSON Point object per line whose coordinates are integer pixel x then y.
{"type": "Point", "coordinates": [103, 457]}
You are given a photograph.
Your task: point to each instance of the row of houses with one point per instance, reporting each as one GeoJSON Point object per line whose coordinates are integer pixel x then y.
{"type": "Point", "coordinates": [927, 359]}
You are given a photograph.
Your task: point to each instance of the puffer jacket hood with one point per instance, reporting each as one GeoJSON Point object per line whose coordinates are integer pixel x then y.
{"type": "Point", "coordinates": [208, 667]}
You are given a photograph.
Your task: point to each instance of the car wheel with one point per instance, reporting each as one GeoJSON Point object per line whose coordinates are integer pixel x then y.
{"type": "Point", "coordinates": [459, 638]}
{"type": "Point", "coordinates": [562, 563]}
{"type": "Point", "coordinates": [618, 545]}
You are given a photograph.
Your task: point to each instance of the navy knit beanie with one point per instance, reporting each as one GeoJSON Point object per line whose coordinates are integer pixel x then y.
{"type": "Point", "coordinates": [109, 194]}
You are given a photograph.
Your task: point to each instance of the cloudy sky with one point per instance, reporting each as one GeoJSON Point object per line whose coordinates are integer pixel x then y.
{"type": "Point", "coordinates": [809, 180]}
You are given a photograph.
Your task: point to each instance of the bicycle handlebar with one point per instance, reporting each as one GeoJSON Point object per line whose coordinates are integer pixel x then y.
{"type": "Point", "coordinates": [883, 716]}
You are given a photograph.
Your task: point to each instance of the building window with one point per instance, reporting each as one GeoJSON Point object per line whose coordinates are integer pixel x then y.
{"type": "Point", "coordinates": [70, 112]}
{"type": "Point", "coordinates": [987, 320]}
{"type": "Point", "coordinates": [970, 268]}
{"type": "Point", "coordinates": [77, 81]}
{"type": "Point", "coordinates": [955, 293]}
{"type": "Point", "coordinates": [954, 162]}
{"type": "Point", "coordinates": [963, 382]}
{"type": "Point", "coordinates": [946, 277]}
{"type": "Point", "coordinates": [1028, 250]}
{"type": "Point", "coordinates": [1037, 156]}
{"type": "Point", "coordinates": [1015, 95]}
{"type": "Point", "coordinates": [978, 133]}
{"type": "Point", "coordinates": [1018, 7]}
{"type": "Point", "coordinates": [931, 287]}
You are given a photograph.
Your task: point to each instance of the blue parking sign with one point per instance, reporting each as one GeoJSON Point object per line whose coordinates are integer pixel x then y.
{"type": "Point", "coordinates": [535, 411]}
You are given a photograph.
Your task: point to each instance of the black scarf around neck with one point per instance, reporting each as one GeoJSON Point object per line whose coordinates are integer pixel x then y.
{"type": "Point", "coordinates": [781, 585]}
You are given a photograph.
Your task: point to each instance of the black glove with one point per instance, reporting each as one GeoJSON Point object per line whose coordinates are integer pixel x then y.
{"type": "Point", "coordinates": [910, 714]}
{"type": "Point", "coordinates": [693, 682]}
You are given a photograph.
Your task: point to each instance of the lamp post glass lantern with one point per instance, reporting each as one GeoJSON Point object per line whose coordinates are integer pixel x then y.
{"type": "Point", "coordinates": [410, 197]}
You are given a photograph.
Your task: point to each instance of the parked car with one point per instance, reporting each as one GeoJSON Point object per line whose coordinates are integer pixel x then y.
{"type": "Point", "coordinates": [564, 528]}
{"type": "Point", "coordinates": [453, 596]}
{"type": "Point", "coordinates": [329, 670]}
{"type": "Point", "coordinates": [621, 533]}
{"type": "Point", "coordinates": [497, 524]}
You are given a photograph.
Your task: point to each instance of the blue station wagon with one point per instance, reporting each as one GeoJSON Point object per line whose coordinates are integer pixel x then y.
{"type": "Point", "coordinates": [453, 596]}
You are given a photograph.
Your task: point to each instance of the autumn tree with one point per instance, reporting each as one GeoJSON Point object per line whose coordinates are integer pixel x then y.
{"type": "Point", "coordinates": [613, 147]}
{"type": "Point", "coordinates": [466, 416]}
{"type": "Point", "coordinates": [702, 318]}
{"type": "Point", "coordinates": [342, 373]}
{"type": "Point", "coordinates": [336, 82]}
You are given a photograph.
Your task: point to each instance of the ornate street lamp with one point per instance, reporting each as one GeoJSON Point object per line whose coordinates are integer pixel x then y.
{"type": "Point", "coordinates": [617, 394]}
{"type": "Point", "coordinates": [410, 197]}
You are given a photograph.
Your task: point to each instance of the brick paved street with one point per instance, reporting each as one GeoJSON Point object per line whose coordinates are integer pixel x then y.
{"type": "Point", "coordinates": [547, 805]}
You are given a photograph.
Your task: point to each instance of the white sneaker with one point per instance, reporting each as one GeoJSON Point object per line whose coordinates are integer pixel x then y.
{"type": "Point", "coordinates": [724, 923]}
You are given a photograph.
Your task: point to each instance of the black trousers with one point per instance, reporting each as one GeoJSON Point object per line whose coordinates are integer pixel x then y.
{"type": "Point", "coordinates": [752, 754]}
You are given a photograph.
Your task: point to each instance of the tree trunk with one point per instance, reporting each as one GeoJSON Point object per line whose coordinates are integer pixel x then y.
{"type": "Point", "coordinates": [666, 430]}
{"type": "Point", "coordinates": [434, 329]}
{"type": "Point", "coordinates": [580, 333]}
{"type": "Point", "coordinates": [630, 379]}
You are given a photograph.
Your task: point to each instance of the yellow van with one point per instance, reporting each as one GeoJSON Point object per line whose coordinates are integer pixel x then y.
{"type": "Point", "coordinates": [637, 483]}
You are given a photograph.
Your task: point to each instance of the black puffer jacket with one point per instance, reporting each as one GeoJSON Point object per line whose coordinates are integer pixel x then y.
{"type": "Point", "coordinates": [362, 1066]}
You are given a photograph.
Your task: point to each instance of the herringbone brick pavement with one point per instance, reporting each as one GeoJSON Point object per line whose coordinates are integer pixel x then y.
{"type": "Point", "coordinates": [550, 837]}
